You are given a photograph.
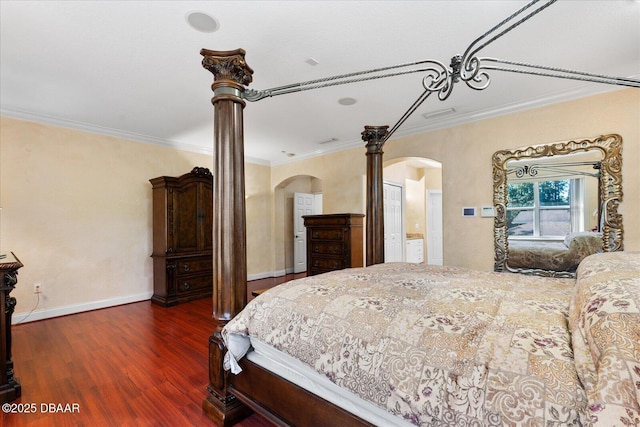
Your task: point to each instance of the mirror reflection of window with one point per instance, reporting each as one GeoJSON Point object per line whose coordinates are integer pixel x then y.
{"type": "Point", "coordinates": [545, 208]}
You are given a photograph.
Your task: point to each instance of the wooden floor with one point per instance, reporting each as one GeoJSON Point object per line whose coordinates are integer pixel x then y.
{"type": "Point", "coordinates": [132, 365]}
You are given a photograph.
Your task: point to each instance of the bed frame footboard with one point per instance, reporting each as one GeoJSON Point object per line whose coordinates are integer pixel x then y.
{"type": "Point", "coordinates": [220, 405]}
{"type": "Point", "coordinates": [284, 403]}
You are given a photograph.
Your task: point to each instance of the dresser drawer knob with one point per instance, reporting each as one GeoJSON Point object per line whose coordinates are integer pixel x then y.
{"type": "Point", "coordinates": [186, 267]}
{"type": "Point", "coordinates": [187, 285]}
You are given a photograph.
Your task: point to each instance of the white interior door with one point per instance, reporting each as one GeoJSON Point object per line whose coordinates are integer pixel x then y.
{"type": "Point", "coordinates": [435, 253]}
{"type": "Point", "coordinates": [393, 223]}
{"type": "Point", "coordinates": [302, 205]}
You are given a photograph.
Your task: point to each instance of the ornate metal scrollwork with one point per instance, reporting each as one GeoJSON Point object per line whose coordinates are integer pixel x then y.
{"type": "Point", "coordinates": [530, 170]}
{"type": "Point", "coordinates": [255, 95]}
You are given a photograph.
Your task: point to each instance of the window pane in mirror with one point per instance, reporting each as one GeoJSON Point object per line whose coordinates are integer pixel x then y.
{"type": "Point", "coordinates": [520, 222]}
{"type": "Point", "coordinates": [555, 222]}
{"type": "Point", "coordinates": [554, 193]}
{"type": "Point", "coordinates": [520, 194]}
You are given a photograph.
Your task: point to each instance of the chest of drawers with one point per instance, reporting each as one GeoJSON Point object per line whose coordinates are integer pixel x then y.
{"type": "Point", "coordinates": [334, 242]}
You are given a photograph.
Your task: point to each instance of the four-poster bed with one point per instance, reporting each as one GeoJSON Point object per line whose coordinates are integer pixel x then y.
{"type": "Point", "coordinates": [231, 397]}
{"type": "Point", "coordinates": [547, 350]}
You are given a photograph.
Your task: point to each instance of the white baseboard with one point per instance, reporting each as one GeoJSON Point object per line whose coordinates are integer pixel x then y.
{"type": "Point", "coordinates": [25, 317]}
{"type": "Point", "coordinates": [77, 308]}
{"type": "Point", "coordinates": [269, 274]}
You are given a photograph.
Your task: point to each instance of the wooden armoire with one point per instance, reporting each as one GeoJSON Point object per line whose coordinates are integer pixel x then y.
{"type": "Point", "coordinates": [182, 237]}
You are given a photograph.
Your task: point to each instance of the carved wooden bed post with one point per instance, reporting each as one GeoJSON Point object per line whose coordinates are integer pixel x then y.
{"type": "Point", "coordinates": [231, 74]}
{"type": "Point", "coordinates": [374, 137]}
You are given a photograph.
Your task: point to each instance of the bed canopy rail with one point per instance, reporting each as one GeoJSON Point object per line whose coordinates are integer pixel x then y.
{"type": "Point", "coordinates": [468, 67]}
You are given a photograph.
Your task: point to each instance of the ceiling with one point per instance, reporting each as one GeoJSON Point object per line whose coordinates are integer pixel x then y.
{"type": "Point", "coordinates": [132, 68]}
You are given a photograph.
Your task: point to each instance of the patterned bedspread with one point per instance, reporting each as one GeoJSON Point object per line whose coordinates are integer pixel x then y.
{"type": "Point", "coordinates": [605, 321]}
{"type": "Point", "coordinates": [433, 345]}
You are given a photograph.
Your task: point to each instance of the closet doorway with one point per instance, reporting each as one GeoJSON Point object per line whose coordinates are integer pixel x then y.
{"type": "Point", "coordinates": [286, 225]}
{"type": "Point", "coordinates": [407, 209]}
{"type": "Point", "coordinates": [393, 222]}
{"type": "Point", "coordinates": [303, 204]}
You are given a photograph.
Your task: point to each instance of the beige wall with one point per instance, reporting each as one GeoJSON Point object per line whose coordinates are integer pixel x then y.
{"type": "Point", "coordinates": [76, 210]}
{"type": "Point", "coordinates": [259, 207]}
{"type": "Point", "coordinates": [465, 152]}
{"type": "Point", "coordinates": [76, 206]}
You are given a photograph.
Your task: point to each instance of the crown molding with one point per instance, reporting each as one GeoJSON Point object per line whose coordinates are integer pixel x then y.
{"type": "Point", "coordinates": [430, 125]}
{"type": "Point", "coordinates": [100, 130]}
{"type": "Point", "coordinates": [475, 116]}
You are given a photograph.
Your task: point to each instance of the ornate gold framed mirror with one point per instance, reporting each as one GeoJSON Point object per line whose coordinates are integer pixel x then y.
{"type": "Point", "coordinates": [558, 213]}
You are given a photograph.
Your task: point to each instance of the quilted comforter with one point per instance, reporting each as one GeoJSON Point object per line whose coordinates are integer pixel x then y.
{"type": "Point", "coordinates": [605, 325]}
{"type": "Point", "coordinates": [449, 346]}
{"type": "Point", "coordinates": [435, 346]}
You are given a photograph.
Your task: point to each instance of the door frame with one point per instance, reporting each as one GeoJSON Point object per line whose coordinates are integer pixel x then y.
{"type": "Point", "coordinates": [429, 242]}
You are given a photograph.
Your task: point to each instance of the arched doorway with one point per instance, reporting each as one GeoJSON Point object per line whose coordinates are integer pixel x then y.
{"type": "Point", "coordinates": [285, 224]}
{"type": "Point", "coordinates": [419, 180]}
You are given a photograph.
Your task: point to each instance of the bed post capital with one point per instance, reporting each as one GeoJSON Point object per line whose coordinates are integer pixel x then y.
{"type": "Point", "coordinates": [229, 68]}
{"type": "Point", "coordinates": [374, 137]}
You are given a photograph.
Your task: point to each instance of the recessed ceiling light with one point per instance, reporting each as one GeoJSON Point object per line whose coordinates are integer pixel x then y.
{"type": "Point", "coordinates": [202, 22]}
{"type": "Point", "coordinates": [312, 61]}
{"type": "Point", "coordinates": [347, 101]}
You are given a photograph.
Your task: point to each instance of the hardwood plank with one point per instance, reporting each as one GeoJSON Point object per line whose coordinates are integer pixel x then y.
{"type": "Point", "coordinates": [133, 365]}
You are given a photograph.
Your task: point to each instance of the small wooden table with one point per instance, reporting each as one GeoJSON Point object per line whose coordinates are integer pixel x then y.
{"type": "Point", "coordinates": [9, 387]}
{"type": "Point", "coordinates": [259, 291]}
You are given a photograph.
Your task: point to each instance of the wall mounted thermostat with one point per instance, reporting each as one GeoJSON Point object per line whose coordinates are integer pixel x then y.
{"type": "Point", "coordinates": [469, 211]}
{"type": "Point", "coordinates": [487, 211]}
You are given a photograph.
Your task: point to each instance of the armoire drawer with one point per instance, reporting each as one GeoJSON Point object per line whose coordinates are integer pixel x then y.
{"type": "Point", "coordinates": [188, 284]}
{"type": "Point", "coordinates": [195, 265]}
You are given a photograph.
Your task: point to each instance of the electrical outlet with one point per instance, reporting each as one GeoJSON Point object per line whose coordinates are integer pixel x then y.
{"type": "Point", "coordinates": [37, 288]}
